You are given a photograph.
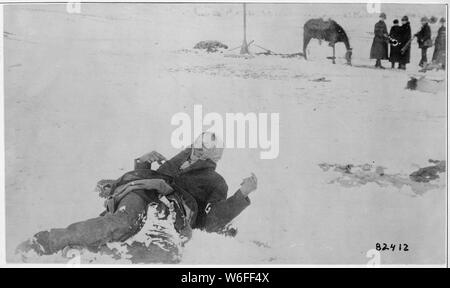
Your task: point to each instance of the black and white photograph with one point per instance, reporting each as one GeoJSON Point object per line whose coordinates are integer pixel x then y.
{"type": "Point", "coordinates": [224, 133]}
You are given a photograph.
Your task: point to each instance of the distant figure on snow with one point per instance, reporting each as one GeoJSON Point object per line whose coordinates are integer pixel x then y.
{"type": "Point", "coordinates": [424, 40]}
{"type": "Point", "coordinates": [405, 37]}
{"type": "Point", "coordinates": [379, 50]}
{"type": "Point", "coordinates": [395, 35]}
{"type": "Point", "coordinates": [440, 45]}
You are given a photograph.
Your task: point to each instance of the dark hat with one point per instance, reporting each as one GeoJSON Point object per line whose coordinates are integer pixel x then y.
{"type": "Point", "coordinates": [383, 15]}
{"type": "Point", "coordinates": [395, 21]}
{"type": "Point", "coordinates": [405, 18]}
{"type": "Point", "coordinates": [424, 19]}
{"type": "Point", "coordinates": [442, 20]}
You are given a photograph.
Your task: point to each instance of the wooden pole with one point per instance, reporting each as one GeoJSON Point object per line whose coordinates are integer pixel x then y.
{"type": "Point", "coordinates": [244, 47]}
{"type": "Point", "coordinates": [245, 22]}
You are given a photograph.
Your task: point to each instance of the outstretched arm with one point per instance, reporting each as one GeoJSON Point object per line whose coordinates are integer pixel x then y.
{"type": "Point", "coordinates": [220, 212]}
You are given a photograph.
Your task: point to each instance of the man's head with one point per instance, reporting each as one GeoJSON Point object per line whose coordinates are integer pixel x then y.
{"type": "Point", "coordinates": [405, 19]}
{"type": "Point", "coordinates": [382, 16]}
{"type": "Point", "coordinates": [395, 22]}
{"type": "Point", "coordinates": [442, 21]}
{"type": "Point", "coordinates": [424, 20]}
{"type": "Point", "coordinates": [207, 146]}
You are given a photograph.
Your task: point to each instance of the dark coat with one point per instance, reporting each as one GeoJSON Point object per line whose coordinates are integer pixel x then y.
{"type": "Point", "coordinates": [202, 189]}
{"type": "Point", "coordinates": [379, 48]}
{"type": "Point", "coordinates": [395, 52]}
{"type": "Point", "coordinates": [405, 36]}
{"type": "Point", "coordinates": [198, 187]}
{"type": "Point", "coordinates": [424, 37]}
{"type": "Point", "coordinates": [440, 46]}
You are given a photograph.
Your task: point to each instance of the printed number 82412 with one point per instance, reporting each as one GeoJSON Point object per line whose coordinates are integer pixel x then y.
{"type": "Point", "coordinates": [391, 247]}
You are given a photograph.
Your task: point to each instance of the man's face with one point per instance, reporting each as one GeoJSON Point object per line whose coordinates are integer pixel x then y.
{"type": "Point", "coordinates": [404, 22]}
{"type": "Point", "coordinates": [201, 144]}
{"type": "Point", "coordinates": [424, 22]}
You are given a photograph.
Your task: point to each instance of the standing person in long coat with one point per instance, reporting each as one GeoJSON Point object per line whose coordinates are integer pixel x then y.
{"type": "Point", "coordinates": [424, 40]}
{"type": "Point", "coordinates": [440, 45]}
{"type": "Point", "coordinates": [395, 35]}
{"type": "Point", "coordinates": [405, 48]}
{"type": "Point", "coordinates": [379, 50]}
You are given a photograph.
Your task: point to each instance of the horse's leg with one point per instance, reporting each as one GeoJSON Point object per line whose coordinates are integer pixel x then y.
{"type": "Point", "coordinates": [306, 39]}
{"type": "Point", "coordinates": [334, 54]}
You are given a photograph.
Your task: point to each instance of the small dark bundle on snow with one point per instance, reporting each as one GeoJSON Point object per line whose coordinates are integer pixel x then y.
{"type": "Point", "coordinates": [429, 173]}
{"type": "Point", "coordinates": [412, 84]}
{"type": "Point", "coordinates": [210, 46]}
{"type": "Point", "coordinates": [426, 83]}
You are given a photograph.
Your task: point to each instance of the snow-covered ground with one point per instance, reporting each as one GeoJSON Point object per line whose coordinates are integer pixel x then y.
{"type": "Point", "coordinates": [87, 93]}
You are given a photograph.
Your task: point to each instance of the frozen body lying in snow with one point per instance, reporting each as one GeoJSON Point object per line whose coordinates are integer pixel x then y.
{"type": "Point", "coordinates": [150, 213]}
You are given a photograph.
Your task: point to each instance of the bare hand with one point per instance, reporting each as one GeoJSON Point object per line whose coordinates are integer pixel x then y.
{"type": "Point", "coordinates": [249, 185]}
{"type": "Point", "coordinates": [152, 157]}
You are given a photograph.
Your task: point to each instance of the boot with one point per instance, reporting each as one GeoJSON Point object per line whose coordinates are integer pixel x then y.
{"type": "Point", "coordinates": [377, 64]}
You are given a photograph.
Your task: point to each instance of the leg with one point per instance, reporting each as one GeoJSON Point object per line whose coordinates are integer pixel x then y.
{"type": "Point", "coordinates": [378, 63]}
{"type": "Point", "coordinates": [306, 40]}
{"type": "Point", "coordinates": [92, 233]}
{"type": "Point", "coordinates": [334, 54]}
{"type": "Point", "coordinates": [159, 241]}
{"type": "Point", "coordinates": [425, 58]}
{"type": "Point", "coordinates": [422, 58]}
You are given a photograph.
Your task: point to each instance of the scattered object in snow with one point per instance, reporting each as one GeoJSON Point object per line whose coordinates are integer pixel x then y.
{"type": "Point", "coordinates": [432, 66]}
{"type": "Point", "coordinates": [321, 79]}
{"type": "Point", "coordinates": [240, 56]}
{"type": "Point", "coordinates": [283, 55]}
{"type": "Point", "coordinates": [15, 65]}
{"type": "Point", "coordinates": [6, 34]}
{"type": "Point", "coordinates": [337, 167]}
{"type": "Point", "coordinates": [268, 52]}
{"type": "Point", "coordinates": [210, 46]}
{"type": "Point", "coordinates": [293, 55]}
{"type": "Point", "coordinates": [261, 244]}
{"type": "Point", "coordinates": [377, 68]}
{"type": "Point", "coordinates": [359, 175]}
{"type": "Point", "coordinates": [429, 83]}
{"type": "Point", "coordinates": [411, 84]}
{"type": "Point", "coordinates": [429, 173]}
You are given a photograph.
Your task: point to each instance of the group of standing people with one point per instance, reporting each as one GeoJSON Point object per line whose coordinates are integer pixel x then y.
{"type": "Point", "coordinates": [399, 39]}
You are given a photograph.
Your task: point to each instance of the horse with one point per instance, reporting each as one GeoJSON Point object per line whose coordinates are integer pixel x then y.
{"type": "Point", "coordinates": [329, 31]}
